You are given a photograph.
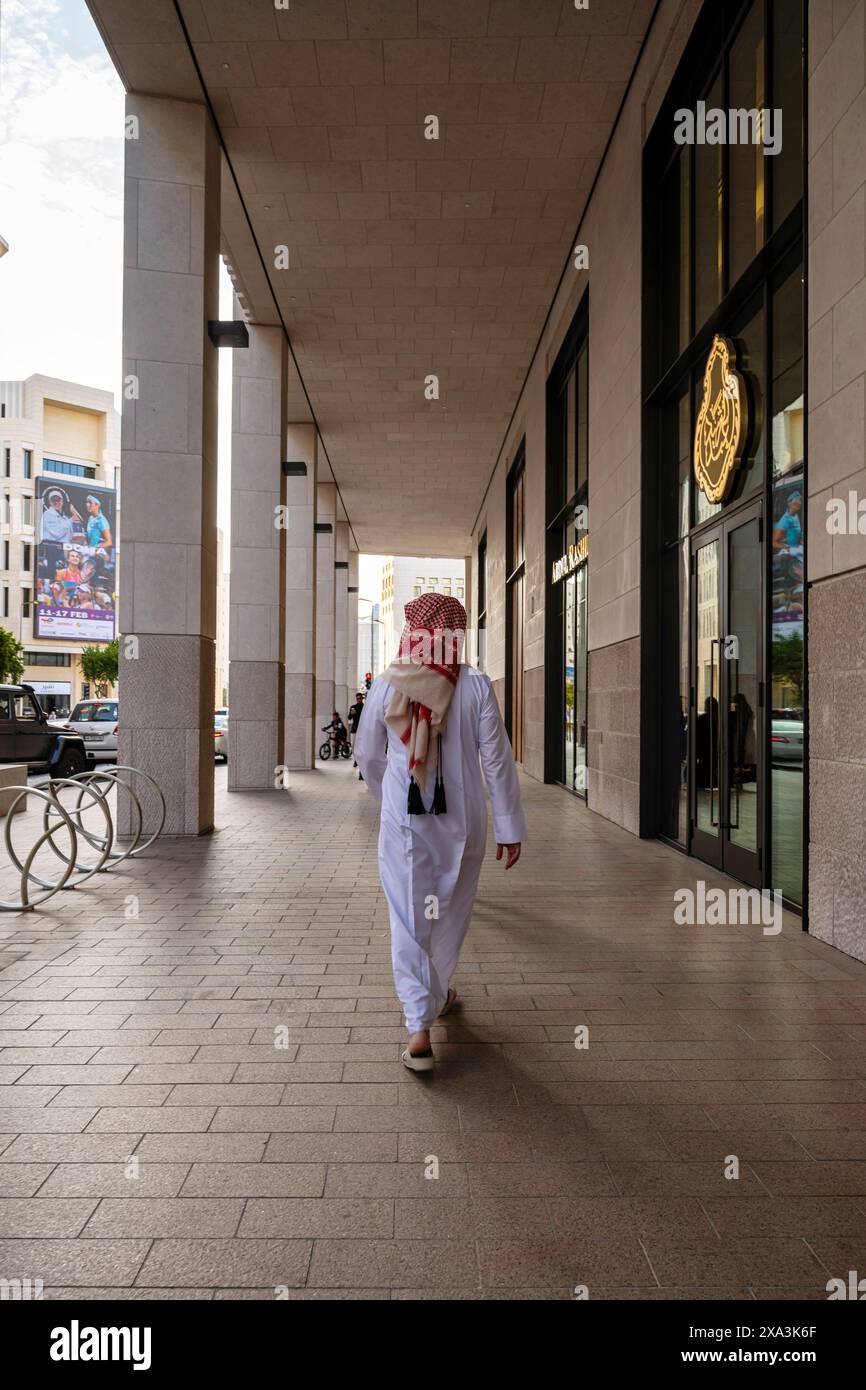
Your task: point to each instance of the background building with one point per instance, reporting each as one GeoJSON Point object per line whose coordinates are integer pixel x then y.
{"type": "Point", "coordinates": [406, 577]}
{"type": "Point", "coordinates": [51, 431]}
{"type": "Point", "coordinates": [370, 631]}
{"type": "Point", "coordinates": [221, 676]}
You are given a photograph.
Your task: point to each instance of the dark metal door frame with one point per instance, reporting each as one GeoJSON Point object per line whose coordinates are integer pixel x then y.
{"type": "Point", "coordinates": [719, 850]}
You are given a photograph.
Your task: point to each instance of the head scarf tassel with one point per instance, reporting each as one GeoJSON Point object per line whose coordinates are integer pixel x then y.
{"type": "Point", "coordinates": [415, 806]}
{"type": "Point", "coordinates": [439, 807]}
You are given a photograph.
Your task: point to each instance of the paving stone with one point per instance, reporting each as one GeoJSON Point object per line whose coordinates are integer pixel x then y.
{"type": "Point", "coordinates": [201, 1148]}
{"type": "Point", "coordinates": [225, 1263]}
{"type": "Point", "coordinates": [178, 1216]}
{"type": "Point", "coordinates": [22, 1179]}
{"type": "Point", "coordinates": [318, 1218]}
{"type": "Point", "coordinates": [43, 1216]}
{"type": "Point", "coordinates": [370, 1263]}
{"type": "Point", "coordinates": [70, 1148]}
{"type": "Point", "coordinates": [255, 1180]}
{"type": "Point", "coordinates": [304, 1167]}
{"type": "Point", "coordinates": [331, 1148]}
{"type": "Point", "coordinates": [119, 1179]}
{"type": "Point", "coordinates": [73, 1262]}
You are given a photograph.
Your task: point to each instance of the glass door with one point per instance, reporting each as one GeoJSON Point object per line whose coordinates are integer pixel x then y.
{"type": "Point", "coordinates": [568, 769]}
{"type": "Point", "coordinates": [727, 697]}
{"type": "Point", "coordinates": [580, 646]}
{"type": "Point", "coordinates": [574, 682]}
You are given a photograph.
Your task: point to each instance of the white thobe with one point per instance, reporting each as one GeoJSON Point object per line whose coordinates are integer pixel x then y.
{"type": "Point", "coordinates": [429, 864]}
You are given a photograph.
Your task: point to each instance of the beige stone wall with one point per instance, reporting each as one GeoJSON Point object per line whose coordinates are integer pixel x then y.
{"type": "Point", "coordinates": [71, 431]}
{"type": "Point", "coordinates": [837, 467]}
{"type": "Point", "coordinates": [613, 719]}
{"type": "Point", "coordinates": [837, 277]}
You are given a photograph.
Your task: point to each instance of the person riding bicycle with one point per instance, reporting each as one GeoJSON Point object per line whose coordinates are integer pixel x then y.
{"type": "Point", "coordinates": [336, 731]}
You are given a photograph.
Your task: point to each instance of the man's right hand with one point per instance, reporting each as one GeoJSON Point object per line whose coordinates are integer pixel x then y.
{"type": "Point", "coordinates": [513, 854]}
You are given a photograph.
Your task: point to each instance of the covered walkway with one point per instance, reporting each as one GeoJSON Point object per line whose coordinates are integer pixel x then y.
{"type": "Point", "coordinates": [157, 1141]}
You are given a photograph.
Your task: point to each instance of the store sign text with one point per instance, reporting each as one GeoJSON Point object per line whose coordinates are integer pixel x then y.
{"type": "Point", "coordinates": [722, 427]}
{"type": "Point", "coordinates": [574, 556]}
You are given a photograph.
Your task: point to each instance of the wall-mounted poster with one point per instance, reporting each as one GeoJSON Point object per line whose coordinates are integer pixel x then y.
{"type": "Point", "coordinates": [788, 561]}
{"type": "Point", "coordinates": [76, 561]}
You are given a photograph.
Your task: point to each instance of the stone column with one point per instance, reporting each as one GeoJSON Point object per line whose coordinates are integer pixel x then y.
{"type": "Point", "coordinates": [256, 595]}
{"type": "Point", "coordinates": [341, 617]}
{"type": "Point", "coordinates": [352, 675]}
{"type": "Point", "coordinates": [836, 481]}
{"type": "Point", "coordinates": [169, 457]}
{"type": "Point", "coordinates": [326, 499]}
{"type": "Point", "coordinates": [300, 604]}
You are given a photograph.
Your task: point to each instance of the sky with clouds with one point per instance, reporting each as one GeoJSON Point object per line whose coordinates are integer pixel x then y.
{"type": "Point", "coordinates": [61, 195]}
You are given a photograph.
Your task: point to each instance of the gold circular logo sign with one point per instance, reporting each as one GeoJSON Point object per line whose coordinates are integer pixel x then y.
{"type": "Point", "coordinates": [721, 429]}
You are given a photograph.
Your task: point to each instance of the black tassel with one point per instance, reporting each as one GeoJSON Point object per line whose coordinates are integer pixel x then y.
{"type": "Point", "coordinates": [439, 807]}
{"type": "Point", "coordinates": [415, 805]}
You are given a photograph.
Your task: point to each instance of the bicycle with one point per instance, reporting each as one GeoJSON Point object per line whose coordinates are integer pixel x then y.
{"type": "Point", "coordinates": [334, 746]}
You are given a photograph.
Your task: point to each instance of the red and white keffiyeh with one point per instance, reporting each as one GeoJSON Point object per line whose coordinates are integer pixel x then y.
{"type": "Point", "coordinates": [424, 673]}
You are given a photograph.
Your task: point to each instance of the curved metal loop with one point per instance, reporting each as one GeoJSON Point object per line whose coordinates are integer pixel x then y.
{"type": "Point", "coordinates": [28, 902]}
{"type": "Point", "coordinates": [102, 845]}
{"type": "Point", "coordinates": [56, 817]}
{"type": "Point", "coordinates": [137, 772]}
{"type": "Point", "coordinates": [116, 856]}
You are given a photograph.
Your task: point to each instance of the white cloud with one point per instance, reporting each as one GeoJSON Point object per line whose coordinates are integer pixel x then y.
{"type": "Point", "coordinates": [61, 195]}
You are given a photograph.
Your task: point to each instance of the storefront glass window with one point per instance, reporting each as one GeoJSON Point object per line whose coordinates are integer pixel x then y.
{"type": "Point", "coordinates": [580, 635]}
{"type": "Point", "coordinates": [708, 219]}
{"type": "Point", "coordinates": [482, 603]}
{"type": "Point", "coordinates": [749, 338]}
{"type": "Point", "coordinates": [568, 685]}
{"type": "Point", "coordinates": [676, 469]}
{"type": "Point", "coordinates": [674, 632]}
{"type": "Point", "coordinates": [582, 442]}
{"type": "Point", "coordinates": [787, 165]}
{"type": "Point", "coordinates": [746, 167]}
{"type": "Point", "coordinates": [568, 527]}
{"type": "Point", "coordinates": [515, 586]}
{"type": "Point", "coordinates": [731, 594]}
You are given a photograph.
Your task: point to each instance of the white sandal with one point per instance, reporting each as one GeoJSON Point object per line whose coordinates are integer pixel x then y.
{"type": "Point", "coordinates": [418, 1061]}
{"type": "Point", "coordinates": [450, 1001]}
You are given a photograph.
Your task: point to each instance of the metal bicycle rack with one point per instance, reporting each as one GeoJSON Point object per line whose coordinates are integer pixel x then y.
{"type": "Point", "coordinates": [92, 788]}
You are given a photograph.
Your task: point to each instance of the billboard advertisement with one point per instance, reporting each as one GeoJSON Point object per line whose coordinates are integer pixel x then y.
{"type": "Point", "coordinates": [76, 561]}
{"type": "Point", "coordinates": [788, 561]}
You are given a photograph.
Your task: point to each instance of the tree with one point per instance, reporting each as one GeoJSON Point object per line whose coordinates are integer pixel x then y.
{"type": "Point", "coordinates": [11, 658]}
{"type": "Point", "coordinates": [788, 661]}
{"type": "Point", "coordinates": [99, 666]}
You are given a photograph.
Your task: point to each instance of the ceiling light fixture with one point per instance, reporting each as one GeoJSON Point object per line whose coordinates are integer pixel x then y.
{"type": "Point", "coordinates": [230, 333]}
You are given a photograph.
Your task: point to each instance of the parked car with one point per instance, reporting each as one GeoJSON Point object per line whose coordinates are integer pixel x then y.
{"type": "Point", "coordinates": [786, 737]}
{"type": "Point", "coordinates": [221, 735]}
{"type": "Point", "coordinates": [96, 722]}
{"type": "Point", "coordinates": [27, 736]}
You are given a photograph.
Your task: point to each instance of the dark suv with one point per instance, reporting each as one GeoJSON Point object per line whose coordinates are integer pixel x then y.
{"type": "Point", "coordinates": [27, 737]}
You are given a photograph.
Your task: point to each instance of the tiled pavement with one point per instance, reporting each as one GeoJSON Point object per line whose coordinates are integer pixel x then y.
{"type": "Point", "coordinates": [155, 1142]}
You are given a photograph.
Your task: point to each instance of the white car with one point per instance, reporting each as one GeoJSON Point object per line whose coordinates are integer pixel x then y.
{"type": "Point", "coordinates": [221, 735]}
{"type": "Point", "coordinates": [96, 721]}
{"type": "Point", "coordinates": [787, 738]}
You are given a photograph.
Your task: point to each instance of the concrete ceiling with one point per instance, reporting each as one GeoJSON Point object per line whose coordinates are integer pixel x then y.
{"type": "Point", "coordinates": [408, 256]}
